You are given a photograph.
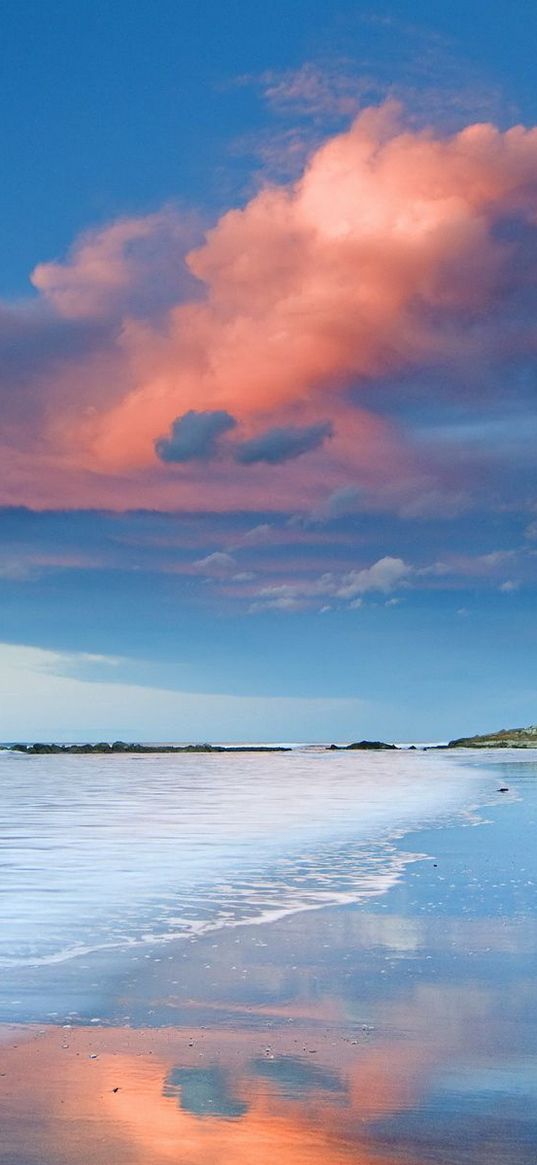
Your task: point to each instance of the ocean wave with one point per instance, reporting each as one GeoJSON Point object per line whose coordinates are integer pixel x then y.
{"type": "Point", "coordinates": [110, 854]}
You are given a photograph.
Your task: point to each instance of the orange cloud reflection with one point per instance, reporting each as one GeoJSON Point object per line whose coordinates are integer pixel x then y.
{"type": "Point", "coordinates": [100, 1096]}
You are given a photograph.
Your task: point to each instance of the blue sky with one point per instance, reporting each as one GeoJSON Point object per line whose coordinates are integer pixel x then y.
{"type": "Point", "coordinates": [268, 369]}
{"type": "Point", "coordinates": [115, 108]}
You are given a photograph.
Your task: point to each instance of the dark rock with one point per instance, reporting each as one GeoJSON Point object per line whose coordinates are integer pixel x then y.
{"type": "Point", "coordinates": [375, 745]}
{"type": "Point", "coordinates": [106, 749]}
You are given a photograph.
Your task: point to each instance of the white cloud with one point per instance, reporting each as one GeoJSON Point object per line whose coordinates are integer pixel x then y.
{"type": "Point", "coordinates": [42, 699]}
{"type": "Point", "coordinates": [15, 569]}
{"type": "Point", "coordinates": [257, 533]}
{"type": "Point", "coordinates": [383, 576]}
{"type": "Point", "coordinates": [281, 603]}
{"type": "Point", "coordinates": [342, 501]}
{"type": "Point", "coordinates": [282, 597]}
{"type": "Point", "coordinates": [215, 564]}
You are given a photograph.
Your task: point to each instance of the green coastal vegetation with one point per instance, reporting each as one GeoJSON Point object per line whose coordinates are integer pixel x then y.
{"type": "Point", "coordinates": [505, 738]}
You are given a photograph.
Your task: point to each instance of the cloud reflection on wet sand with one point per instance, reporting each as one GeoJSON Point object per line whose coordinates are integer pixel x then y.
{"type": "Point", "coordinates": [98, 1095]}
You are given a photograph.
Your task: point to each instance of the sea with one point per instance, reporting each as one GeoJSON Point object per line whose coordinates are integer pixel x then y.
{"type": "Point", "coordinates": [114, 851]}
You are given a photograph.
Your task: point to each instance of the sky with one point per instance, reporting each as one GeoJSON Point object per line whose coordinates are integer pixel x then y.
{"type": "Point", "coordinates": [268, 368]}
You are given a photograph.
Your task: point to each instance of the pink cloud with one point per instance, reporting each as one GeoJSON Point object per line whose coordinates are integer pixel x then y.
{"type": "Point", "coordinates": [105, 265]}
{"type": "Point", "coordinates": [384, 255]}
{"type": "Point", "coordinates": [363, 267]}
{"type": "Point", "coordinates": [312, 90]}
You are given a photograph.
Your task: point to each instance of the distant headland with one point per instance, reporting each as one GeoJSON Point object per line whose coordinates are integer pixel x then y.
{"type": "Point", "coordinates": [505, 738]}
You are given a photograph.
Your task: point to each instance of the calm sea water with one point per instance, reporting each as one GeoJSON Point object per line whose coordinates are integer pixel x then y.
{"type": "Point", "coordinates": [100, 852]}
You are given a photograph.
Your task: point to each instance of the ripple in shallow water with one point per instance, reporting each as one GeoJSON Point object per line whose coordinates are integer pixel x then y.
{"type": "Point", "coordinates": [109, 851]}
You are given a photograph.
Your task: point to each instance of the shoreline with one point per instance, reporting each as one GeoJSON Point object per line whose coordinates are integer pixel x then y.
{"type": "Point", "coordinates": [350, 1033]}
{"type": "Point", "coordinates": [392, 855]}
{"type": "Point", "coordinates": [518, 739]}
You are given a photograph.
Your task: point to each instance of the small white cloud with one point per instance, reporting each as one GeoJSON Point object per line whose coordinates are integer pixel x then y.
{"type": "Point", "coordinates": [436, 569]}
{"type": "Point", "coordinates": [322, 586]}
{"type": "Point", "coordinates": [91, 657]}
{"type": "Point", "coordinates": [315, 91]}
{"type": "Point", "coordinates": [508, 586]}
{"type": "Point", "coordinates": [434, 503]}
{"type": "Point", "coordinates": [16, 570]}
{"type": "Point", "coordinates": [257, 533]}
{"type": "Point", "coordinates": [215, 564]}
{"type": "Point", "coordinates": [383, 575]}
{"type": "Point", "coordinates": [278, 603]}
{"type": "Point", "coordinates": [278, 597]}
{"type": "Point", "coordinates": [279, 590]}
{"type": "Point", "coordinates": [496, 558]}
{"type": "Point", "coordinates": [339, 503]}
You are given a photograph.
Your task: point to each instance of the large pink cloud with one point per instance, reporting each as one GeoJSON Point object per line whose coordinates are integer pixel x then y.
{"type": "Point", "coordinates": [361, 267]}
{"type": "Point", "coordinates": [133, 262]}
{"type": "Point", "coordinates": [386, 255]}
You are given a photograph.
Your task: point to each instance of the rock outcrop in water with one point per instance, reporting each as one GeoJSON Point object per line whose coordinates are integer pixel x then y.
{"type": "Point", "coordinates": [372, 745]}
{"type": "Point", "coordinates": [365, 745]}
{"type": "Point", "coordinates": [505, 738]}
{"type": "Point", "coordinates": [104, 748]}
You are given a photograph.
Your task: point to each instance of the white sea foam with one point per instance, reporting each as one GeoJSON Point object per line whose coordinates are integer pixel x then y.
{"type": "Point", "coordinates": [110, 851]}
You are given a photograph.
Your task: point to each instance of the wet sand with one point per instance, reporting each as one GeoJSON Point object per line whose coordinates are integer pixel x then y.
{"type": "Point", "coordinates": [399, 1032]}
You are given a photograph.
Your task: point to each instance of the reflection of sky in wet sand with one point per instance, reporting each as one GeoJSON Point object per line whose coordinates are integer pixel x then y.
{"type": "Point", "coordinates": [423, 1086]}
{"type": "Point", "coordinates": [403, 1032]}
{"type": "Point", "coordinates": [133, 1101]}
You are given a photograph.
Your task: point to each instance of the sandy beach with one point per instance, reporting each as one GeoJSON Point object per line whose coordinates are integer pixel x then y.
{"type": "Point", "coordinates": [398, 1030]}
